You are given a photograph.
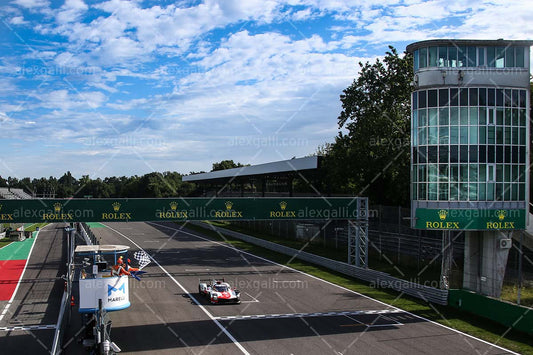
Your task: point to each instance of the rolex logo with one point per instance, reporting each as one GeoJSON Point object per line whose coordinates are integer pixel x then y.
{"type": "Point", "coordinates": [501, 214]}
{"type": "Point", "coordinates": [57, 207]}
{"type": "Point", "coordinates": [443, 214]}
{"type": "Point", "coordinates": [173, 205]}
{"type": "Point", "coordinates": [116, 206]}
{"type": "Point", "coordinates": [283, 205]}
{"type": "Point", "coordinates": [229, 205]}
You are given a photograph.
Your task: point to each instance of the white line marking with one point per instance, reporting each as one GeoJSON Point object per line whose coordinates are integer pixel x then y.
{"type": "Point", "coordinates": [306, 315]}
{"type": "Point", "coordinates": [6, 308]}
{"type": "Point", "coordinates": [341, 287]}
{"type": "Point", "coordinates": [222, 328]}
{"type": "Point", "coordinates": [197, 270]}
{"type": "Point", "coordinates": [392, 320]}
{"type": "Point", "coordinates": [28, 327]}
{"type": "Point", "coordinates": [283, 281]}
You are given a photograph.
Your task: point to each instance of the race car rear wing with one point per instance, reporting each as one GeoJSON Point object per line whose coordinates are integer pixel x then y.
{"type": "Point", "coordinates": [211, 281]}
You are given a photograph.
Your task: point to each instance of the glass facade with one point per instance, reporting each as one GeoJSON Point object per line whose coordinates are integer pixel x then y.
{"type": "Point", "coordinates": [467, 56]}
{"type": "Point", "coordinates": [469, 144]}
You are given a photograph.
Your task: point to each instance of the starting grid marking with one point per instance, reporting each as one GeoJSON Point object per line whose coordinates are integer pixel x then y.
{"type": "Point", "coordinates": [28, 327]}
{"type": "Point", "coordinates": [305, 315]}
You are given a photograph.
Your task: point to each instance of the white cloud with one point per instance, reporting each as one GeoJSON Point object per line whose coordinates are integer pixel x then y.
{"type": "Point", "coordinates": [18, 20]}
{"type": "Point", "coordinates": [31, 4]}
{"type": "Point", "coordinates": [65, 100]}
{"type": "Point", "coordinates": [3, 117]}
{"type": "Point", "coordinates": [71, 11]}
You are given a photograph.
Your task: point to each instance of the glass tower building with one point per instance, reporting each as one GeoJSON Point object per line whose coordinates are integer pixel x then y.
{"type": "Point", "coordinates": [470, 132]}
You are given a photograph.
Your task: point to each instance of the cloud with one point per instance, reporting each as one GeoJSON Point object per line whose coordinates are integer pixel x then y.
{"type": "Point", "coordinates": [71, 11]}
{"type": "Point", "coordinates": [18, 20]}
{"type": "Point", "coordinates": [32, 4]}
{"type": "Point", "coordinates": [64, 100]}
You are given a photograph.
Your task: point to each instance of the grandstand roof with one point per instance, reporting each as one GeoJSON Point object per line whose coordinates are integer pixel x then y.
{"type": "Point", "coordinates": [13, 194]}
{"type": "Point", "coordinates": [274, 168]}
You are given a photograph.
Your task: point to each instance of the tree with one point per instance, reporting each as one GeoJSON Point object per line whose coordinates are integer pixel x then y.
{"type": "Point", "coordinates": [372, 158]}
{"type": "Point", "coordinates": [226, 164]}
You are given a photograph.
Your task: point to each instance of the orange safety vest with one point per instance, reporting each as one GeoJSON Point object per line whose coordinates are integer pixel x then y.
{"type": "Point", "coordinates": [118, 270]}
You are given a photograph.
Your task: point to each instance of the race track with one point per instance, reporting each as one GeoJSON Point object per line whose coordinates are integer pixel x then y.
{"type": "Point", "coordinates": [283, 311]}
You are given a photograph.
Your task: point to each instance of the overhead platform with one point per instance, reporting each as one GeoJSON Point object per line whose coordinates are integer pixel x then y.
{"type": "Point", "coordinates": [269, 179]}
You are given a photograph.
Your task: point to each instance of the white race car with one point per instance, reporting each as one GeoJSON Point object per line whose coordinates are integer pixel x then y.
{"type": "Point", "coordinates": [218, 291]}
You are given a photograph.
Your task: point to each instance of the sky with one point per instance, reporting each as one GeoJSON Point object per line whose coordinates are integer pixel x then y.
{"type": "Point", "coordinates": [122, 88]}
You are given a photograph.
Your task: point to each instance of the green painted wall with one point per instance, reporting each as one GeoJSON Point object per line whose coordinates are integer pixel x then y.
{"type": "Point", "coordinates": [517, 317]}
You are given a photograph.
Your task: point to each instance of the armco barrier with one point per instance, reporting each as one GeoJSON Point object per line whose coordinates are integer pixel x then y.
{"type": "Point", "coordinates": [510, 315]}
{"type": "Point", "coordinates": [375, 278]}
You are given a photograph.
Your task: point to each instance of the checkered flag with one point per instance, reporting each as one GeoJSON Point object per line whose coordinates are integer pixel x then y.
{"type": "Point", "coordinates": [143, 258]}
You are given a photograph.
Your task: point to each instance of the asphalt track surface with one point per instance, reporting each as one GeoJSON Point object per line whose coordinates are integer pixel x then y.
{"type": "Point", "coordinates": [283, 311]}
{"type": "Point", "coordinates": [29, 321]}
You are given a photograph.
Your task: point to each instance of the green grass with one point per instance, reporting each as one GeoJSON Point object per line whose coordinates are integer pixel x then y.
{"type": "Point", "coordinates": [510, 294]}
{"type": "Point", "coordinates": [32, 227]}
{"type": "Point", "coordinates": [448, 316]}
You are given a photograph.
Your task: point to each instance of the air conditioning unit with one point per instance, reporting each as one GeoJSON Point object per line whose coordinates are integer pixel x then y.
{"type": "Point", "coordinates": [506, 243]}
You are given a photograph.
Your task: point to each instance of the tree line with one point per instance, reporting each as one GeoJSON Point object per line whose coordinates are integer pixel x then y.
{"type": "Point", "coordinates": [167, 184]}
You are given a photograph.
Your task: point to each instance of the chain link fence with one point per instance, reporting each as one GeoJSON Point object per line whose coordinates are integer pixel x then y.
{"type": "Point", "coordinates": [518, 280]}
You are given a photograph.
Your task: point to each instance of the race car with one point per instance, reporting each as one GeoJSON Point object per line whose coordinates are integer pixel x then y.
{"type": "Point", "coordinates": [218, 291]}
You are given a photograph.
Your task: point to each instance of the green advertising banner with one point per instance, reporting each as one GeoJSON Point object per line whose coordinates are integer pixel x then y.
{"type": "Point", "coordinates": [470, 219]}
{"type": "Point", "coordinates": [172, 209]}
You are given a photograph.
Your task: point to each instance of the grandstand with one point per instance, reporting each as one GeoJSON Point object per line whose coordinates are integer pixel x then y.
{"type": "Point", "coordinates": [13, 194]}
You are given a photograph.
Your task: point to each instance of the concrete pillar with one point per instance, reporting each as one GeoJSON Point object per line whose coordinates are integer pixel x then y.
{"type": "Point", "coordinates": [485, 262]}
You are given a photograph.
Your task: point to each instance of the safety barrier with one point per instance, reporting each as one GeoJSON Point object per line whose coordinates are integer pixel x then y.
{"type": "Point", "coordinates": [86, 233]}
{"type": "Point", "coordinates": [510, 315]}
{"type": "Point", "coordinates": [377, 279]}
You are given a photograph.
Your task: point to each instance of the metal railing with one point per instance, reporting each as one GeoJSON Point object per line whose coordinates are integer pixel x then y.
{"type": "Point", "coordinates": [64, 311]}
{"type": "Point", "coordinates": [83, 230]}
